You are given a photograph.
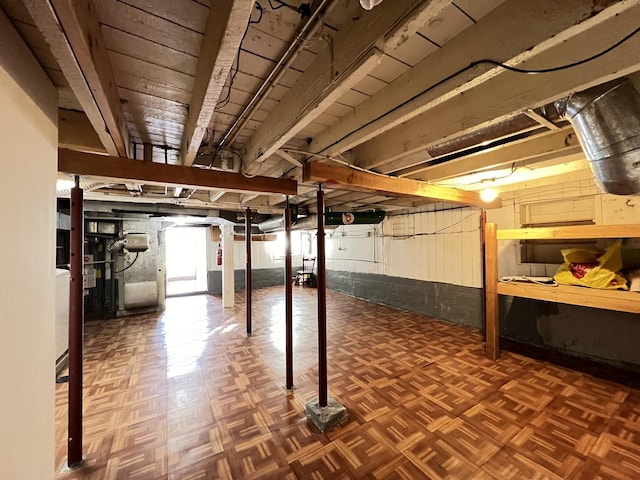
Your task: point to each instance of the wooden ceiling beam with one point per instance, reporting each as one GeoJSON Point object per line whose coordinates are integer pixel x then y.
{"type": "Point", "coordinates": [72, 31]}
{"type": "Point", "coordinates": [226, 24]}
{"type": "Point", "coordinates": [76, 132]}
{"type": "Point", "coordinates": [555, 144]}
{"type": "Point", "coordinates": [114, 168]}
{"type": "Point", "coordinates": [500, 93]}
{"type": "Point", "coordinates": [356, 49]}
{"type": "Point", "coordinates": [504, 34]}
{"type": "Point", "coordinates": [353, 179]}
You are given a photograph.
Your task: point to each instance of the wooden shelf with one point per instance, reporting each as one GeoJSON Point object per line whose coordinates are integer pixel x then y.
{"type": "Point", "coordinates": [576, 231]}
{"type": "Point", "coordinates": [618, 300]}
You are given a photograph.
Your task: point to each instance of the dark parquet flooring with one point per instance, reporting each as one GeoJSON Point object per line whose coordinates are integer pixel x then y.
{"type": "Point", "coordinates": [186, 395]}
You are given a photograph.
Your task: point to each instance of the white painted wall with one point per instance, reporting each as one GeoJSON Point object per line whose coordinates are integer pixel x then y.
{"type": "Point", "coordinates": [28, 161]}
{"type": "Point", "coordinates": [267, 254]}
{"type": "Point", "coordinates": [437, 246]}
{"type": "Point", "coordinates": [569, 197]}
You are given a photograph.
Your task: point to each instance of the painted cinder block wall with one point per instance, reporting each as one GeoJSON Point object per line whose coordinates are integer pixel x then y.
{"type": "Point", "coordinates": [430, 263]}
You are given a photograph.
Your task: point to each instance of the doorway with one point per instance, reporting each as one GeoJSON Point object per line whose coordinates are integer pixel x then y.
{"type": "Point", "coordinates": [186, 260]}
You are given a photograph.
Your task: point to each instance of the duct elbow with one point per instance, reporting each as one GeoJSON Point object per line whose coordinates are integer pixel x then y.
{"type": "Point", "coordinates": [606, 119]}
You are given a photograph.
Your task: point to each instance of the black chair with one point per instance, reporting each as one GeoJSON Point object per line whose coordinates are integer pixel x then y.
{"type": "Point", "coordinates": [306, 275]}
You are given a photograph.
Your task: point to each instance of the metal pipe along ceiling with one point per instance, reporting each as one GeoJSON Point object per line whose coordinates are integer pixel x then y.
{"type": "Point", "coordinates": [274, 76]}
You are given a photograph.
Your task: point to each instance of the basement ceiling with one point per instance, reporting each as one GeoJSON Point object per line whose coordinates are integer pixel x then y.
{"type": "Point", "coordinates": [264, 87]}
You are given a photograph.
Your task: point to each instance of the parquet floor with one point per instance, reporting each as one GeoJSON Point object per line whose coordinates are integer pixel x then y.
{"type": "Point", "coordinates": [185, 395]}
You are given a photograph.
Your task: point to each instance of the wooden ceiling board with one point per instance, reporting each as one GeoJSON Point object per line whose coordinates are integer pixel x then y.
{"type": "Point", "coordinates": [353, 98]}
{"type": "Point", "coordinates": [325, 119]}
{"type": "Point", "coordinates": [141, 136]}
{"type": "Point", "coordinates": [303, 60]}
{"type": "Point", "coordinates": [170, 136]}
{"type": "Point", "coordinates": [414, 49]}
{"type": "Point", "coordinates": [311, 130]}
{"type": "Point", "coordinates": [445, 26]}
{"type": "Point", "coordinates": [289, 78]}
{"type": "Point", "coordinates": [155, 114]}
{"type": "Point", "coordinates": [158, 127]}
{"type": "Point", "coordinates": [477, 9]}
{"type": "Point", "coordinates": [149, 87]}
{"type": "Point", "coordinates": [254, 65]}
{"type": "Point", "coordinates": [143, 49]}
{"type": "Point", "coordinates": [186, 13]}
{"type": "Point", "coordinates": [282, 23]}
{"type": "Point", "coordinates": [137, 22]}
{"type": "Point", "coordinates": [263, 44]}
{"type": "Point", "coordinates": [173, 131]}
{"type": "Point", "coordinates": [369, 85]}
{"type": "Point", "coordinates": [340, 12]}
{"type": "Point", "coordinates": [249, 84]}
{"type": "Point", "coordinates": [224, 119]}
{"type": "Point", "coordinates": [131, 97]}
{"type": "Point", "coordinates": [338, 109]}
{"type": "Point", "coordinates": [389, 69]}
{"type": "Point", "coordinates": [240, 97]}
{"type": "Point", "coordinates": [150, 71]}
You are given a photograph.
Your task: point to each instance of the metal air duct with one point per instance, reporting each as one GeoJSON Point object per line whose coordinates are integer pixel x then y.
{"type": "Point", "coordinates": [607, 121]}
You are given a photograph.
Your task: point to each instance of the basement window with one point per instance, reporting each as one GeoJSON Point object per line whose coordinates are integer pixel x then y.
{"type": "Point", "coordinates": [556, 213]}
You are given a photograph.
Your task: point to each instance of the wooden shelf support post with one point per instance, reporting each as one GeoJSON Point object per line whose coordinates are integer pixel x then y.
{"type": "Point", "coordinates": [491, 291]}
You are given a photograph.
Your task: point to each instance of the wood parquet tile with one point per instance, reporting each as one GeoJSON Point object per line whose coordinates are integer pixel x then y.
{"type": "Point", "coordinates": [185, 395]}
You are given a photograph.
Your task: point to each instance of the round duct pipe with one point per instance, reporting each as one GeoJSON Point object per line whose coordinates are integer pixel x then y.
{"type": "Point", "coordinates": [606, 119]}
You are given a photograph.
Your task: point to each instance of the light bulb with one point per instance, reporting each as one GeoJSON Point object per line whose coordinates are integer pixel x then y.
{"type": "Point", "coordinates": [369, 4]}
{"type": "Point", "coordinates": [488, 194]}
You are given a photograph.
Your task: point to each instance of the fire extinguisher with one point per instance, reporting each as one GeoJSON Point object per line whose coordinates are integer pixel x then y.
{"type": "Point", "coordinates": [219, 255]}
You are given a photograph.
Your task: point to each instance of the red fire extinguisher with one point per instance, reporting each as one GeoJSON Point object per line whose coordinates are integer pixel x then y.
{"type": "Point", "coordinates": [219, 255]}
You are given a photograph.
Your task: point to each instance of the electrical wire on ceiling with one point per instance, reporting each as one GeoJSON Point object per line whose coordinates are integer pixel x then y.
{"type": "Point", "coordinates": [223, 103]}
{"type": "Point", "coordinates": [304, 9]}
{"type": "Point", "coordinates": [526, 71]}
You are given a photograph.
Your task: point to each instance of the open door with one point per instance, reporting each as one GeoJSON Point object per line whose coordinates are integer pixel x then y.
{"type": "Point", "coordinates": [186, 260]}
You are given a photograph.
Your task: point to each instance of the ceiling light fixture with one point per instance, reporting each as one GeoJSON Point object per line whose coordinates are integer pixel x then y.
{"type": "Point", "coordinates": [369, 4]}
{"type": "Point", "coordinates": [488, 194]}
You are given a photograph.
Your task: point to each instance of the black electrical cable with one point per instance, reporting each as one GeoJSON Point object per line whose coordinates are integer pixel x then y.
{"type": "Point", "coordinates": [223, 103]}
{"type": "Point", "coordinates": [128, 266]}
{"type": "Point", "coordinates": [532, 71]}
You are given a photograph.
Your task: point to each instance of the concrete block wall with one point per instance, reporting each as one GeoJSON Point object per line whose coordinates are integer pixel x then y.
{"type": "Point", "coordinates": [430, 263]}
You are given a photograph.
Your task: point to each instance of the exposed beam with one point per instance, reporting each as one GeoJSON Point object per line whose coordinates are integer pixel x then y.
{"type": "Point", "coordinates": [215, 196]}
{"type": "Point", "coordinates": [19, 62]}
{"type": "Point", "coordinates": [504, 33]}
{"type": "Point", "coordinates": [113, 168]}
{"type": "Point", "coordinates": [72, 31]}
{"type": "Point", "coordinates": [501, 93]}
{"type": "Point", "coordinates": [76, 132]}
{"type": "Point", "coordinates": [225, 27]}
{"type": "Point", "coordinates": [355, 51]}
{"type": "Point", "coordinates": [352, 179]}
{"type": "Point", "coordinates": [561, 143]}
{"type": "Point", "coordinates": [289, 158]}
{"type": "Point", "coordinates": [542, 120]}
{"type": "Point", "coordinates": [248, 197]}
